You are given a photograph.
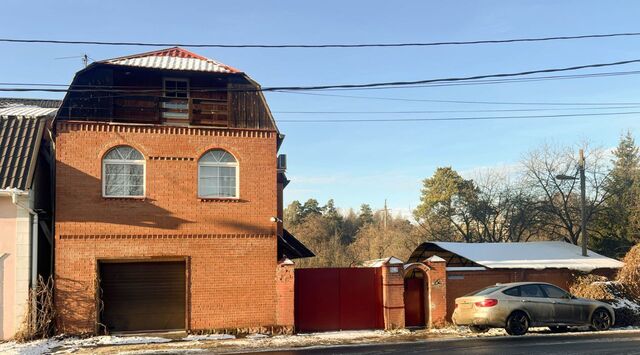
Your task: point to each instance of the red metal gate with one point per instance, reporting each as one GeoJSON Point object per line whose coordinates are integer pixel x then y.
{"type": "Point", "coordinates": [338, 299]}
{"type": "Point", "coordinates": [414, 302]}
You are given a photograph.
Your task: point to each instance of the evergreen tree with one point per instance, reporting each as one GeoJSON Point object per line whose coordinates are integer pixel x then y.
{"type": "Point", "coordinates": [618, 226]}
{"type": "Point", "coordinates": [366, 215]}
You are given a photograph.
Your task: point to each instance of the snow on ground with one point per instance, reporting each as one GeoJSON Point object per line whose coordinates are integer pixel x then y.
{"type": "Point", "coordinates": [61, 345]}
{"type": "Point", "coordinates": [139, 345]}
{"type": "Point", "coordinates": [192, 337]}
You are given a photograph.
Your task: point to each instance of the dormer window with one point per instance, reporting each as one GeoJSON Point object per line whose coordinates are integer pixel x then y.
{"type": "Point", "coordinates": [176, 102]}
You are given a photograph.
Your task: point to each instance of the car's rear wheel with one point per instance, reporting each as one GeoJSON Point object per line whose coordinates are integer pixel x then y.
{"type": "Point", "coordinates": [558, 328]}
{"type": "Point", "coordinates": [478, 328]}
{"type": "Point", "coordinates": [517, 324]}
{"type": "Point", "coordinates": [601, 319]}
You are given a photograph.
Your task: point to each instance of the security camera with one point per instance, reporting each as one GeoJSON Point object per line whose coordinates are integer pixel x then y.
{"type": "Point", "coordinates": [275, 219]}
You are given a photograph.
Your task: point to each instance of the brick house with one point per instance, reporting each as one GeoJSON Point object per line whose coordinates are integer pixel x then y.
{"type": "Point", "coordinates": [169, 200]}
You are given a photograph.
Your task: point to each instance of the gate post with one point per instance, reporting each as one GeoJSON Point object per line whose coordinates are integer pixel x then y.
{"type": "Point", "coordinates": [393, 294]}
{"type": "Point", "coordinates": [285, 291]}
{"type": "Point", "coordinates": [437, 291]}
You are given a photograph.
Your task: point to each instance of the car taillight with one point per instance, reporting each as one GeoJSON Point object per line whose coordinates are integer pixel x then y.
{"type": "Point", "coordinates": [487, 303]}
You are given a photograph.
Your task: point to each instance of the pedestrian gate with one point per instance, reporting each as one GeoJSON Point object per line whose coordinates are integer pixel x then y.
{"type": "Point", "coordinates": [338, 299]}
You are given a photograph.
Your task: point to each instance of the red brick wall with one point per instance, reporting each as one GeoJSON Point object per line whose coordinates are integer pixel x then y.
{"type": "Point", "coordinates": [438, 292]}
{"type": "Point", "coordinates": [476, 280]}
{"type": "Point", "coordinates": [393, 296]}
{"type": "Point", "coordinates": [230, 245]}
{"type": "Point", "coordinates": [285, 292]}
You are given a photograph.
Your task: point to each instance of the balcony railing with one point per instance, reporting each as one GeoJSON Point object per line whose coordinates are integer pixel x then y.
{"type": "Point", "coordinates": [196, 111]}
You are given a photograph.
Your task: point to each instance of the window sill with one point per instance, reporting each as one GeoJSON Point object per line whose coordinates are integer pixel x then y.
{"type": "Point", "coordinates": [220, 199]}
{"type": "Point", "coordinates": [130, 198]}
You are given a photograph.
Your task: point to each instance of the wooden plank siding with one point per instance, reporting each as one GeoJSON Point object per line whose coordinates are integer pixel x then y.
{"type": "Point", "coordinates": [215, 99]}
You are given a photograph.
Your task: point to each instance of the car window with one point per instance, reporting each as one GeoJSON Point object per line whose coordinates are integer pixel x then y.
{"type": "Point", "coordinates": [485, 291]}
{"type": "Point", "coordinates": [514, 291]}
{"type": "Point", "coordinates": [531, 291]}
{"type": "Point", "coordinates": [554, 292]}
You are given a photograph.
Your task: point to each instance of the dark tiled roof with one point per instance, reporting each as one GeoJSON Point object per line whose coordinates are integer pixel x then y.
{"type": "Point", "coordinates": [44, 103]}
{"type": "Point", "coordinates": [291, 247]}
{"type": "Point", "coordinates": [19, 144]}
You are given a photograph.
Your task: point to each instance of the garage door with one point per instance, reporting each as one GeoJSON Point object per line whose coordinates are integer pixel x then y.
{"type": "Point", "coordinates": [143, 295]}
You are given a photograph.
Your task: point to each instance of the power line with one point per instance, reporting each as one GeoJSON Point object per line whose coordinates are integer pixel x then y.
{"type": "Point", "coordinates": [366, 85]}
{"type": "Point", "coordinates": [462, 101]}
{"type": "Point", "coordinates": [485, 118]}
{"type": "Point", "coordinates": [328, 45]}
{"type": "Point", "coordinates": [469, 82]}
{"type": "Point", "coordinates": [450, 111]}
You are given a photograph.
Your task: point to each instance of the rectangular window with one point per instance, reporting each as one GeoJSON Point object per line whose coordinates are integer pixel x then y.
{"type": "Point", "coordinates": [123, 180]}
{"type": "Point", "coordinates": [177, 93]}
{"type": "Point", "coordinates": [217, 181]}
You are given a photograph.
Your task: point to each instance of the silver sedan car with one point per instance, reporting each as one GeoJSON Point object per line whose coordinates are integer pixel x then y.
{"type": "Point", "coordinates": [519, 305]}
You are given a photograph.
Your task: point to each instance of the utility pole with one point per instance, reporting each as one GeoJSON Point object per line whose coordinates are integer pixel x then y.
{"type": "Point", "coordinates": [386, 212]}
{"type": "Point", "coordinates": [583, 199]}
{"type": "Point", "coordinates": [583, 203]}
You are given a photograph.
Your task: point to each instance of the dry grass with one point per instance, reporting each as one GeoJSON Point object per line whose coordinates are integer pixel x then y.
{"type": "Point", "coordinates": [622, 293]}
{"type": "Point", "coordinates": [629, 275]}
{"type": "Point", "coordinates": [592, 286]}
{"type": "Point", "coordinates": [38, 323]}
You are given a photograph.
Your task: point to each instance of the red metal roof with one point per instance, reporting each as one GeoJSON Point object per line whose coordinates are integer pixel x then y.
{"type": "Point", "coordinates": [174, 58]}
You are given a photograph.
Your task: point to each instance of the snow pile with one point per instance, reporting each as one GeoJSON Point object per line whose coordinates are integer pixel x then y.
{"type": "Point", "coordinates": [35, 347]}
{"type": "Point", "coordinates": [61, 345]}
{"type": "Point", "coordinates": [201, 337]}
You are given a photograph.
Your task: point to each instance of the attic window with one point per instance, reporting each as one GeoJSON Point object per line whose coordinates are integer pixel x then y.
{"type": "Point", "coordinates": [176, 93]}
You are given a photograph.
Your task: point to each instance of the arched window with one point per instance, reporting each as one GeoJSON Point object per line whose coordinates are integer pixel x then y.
{"type": "Point", "coordinates": [217, 175]}
{"type": "Point", "coordinates": [123, 173]}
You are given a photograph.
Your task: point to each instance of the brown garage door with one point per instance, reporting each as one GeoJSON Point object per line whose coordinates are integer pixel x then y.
{"type": "Point", "coordinates": [143, 295]}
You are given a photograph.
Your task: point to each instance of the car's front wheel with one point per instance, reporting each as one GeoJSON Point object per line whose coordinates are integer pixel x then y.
{"type": "Point", "coordinates": [601, 319]}
{"type": "Point", "coordinates": [517, 324]}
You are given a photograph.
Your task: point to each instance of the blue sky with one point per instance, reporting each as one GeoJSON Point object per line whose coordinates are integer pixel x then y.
{"type": "Point", "coordinates": [358, 163]}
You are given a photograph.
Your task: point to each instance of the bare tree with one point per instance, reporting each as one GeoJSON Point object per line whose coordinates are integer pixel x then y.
{"type": "Point", "coordinates": [558, 200]}
{"type": "Point", "coordinates": [504, 211]}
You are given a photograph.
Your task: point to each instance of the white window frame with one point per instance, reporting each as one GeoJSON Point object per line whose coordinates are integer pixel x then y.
{"type": "Point", "coordinates": [236, 165]}
{"type": "Point", "coordinates": [164, 94]}
{"type": "Point", "coordinates": [142, 162]}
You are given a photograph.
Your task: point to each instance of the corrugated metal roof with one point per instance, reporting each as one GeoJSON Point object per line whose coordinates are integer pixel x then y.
{"type": "Point", "coordinates": [26, 111]}
{"type": "Point", "coordinates": [19, 143]}
{"type": "Point", "coordinates": [44, 103]}
{"type": "Point", "coordinates": [19, 107]}
{"type": "Point", "coordinates": [175, 58]}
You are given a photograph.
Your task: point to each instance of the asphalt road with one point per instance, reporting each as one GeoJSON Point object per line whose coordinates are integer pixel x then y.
{"type": "Point", "coordinates": [585, 343]}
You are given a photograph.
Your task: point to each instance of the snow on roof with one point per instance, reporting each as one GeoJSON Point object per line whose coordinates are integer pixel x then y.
{"type": "Point", "coordinates": [175, 58]}
{"type": "Point", "coordinates": [27, 108]}
{"type": "Point", "coordinates": [531, 255]}
{"type": "Point", "coordinates": [392, 260]}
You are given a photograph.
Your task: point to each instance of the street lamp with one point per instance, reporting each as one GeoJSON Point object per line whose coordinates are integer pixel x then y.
{"type": "Point", "coordinates": [583, 203]}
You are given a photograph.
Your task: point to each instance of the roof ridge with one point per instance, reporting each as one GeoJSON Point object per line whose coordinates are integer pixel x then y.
{"type": "Point", "coordinates": [173, 52]}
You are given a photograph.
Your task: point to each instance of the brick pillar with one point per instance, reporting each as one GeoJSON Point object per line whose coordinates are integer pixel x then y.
{"type": "Point", "coordinates": [437, 277]}
{"type": "Point", "coordinates": [285, 282]}
{"type": "Point", "coordinates": [393, 295]}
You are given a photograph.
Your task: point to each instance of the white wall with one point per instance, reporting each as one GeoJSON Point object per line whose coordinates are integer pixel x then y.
{"type": "Point", "coordinates": [15, 227]}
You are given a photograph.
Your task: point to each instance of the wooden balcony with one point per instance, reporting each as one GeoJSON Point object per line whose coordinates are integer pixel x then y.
{"type": "Point", "coordinates": [195, 111]}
